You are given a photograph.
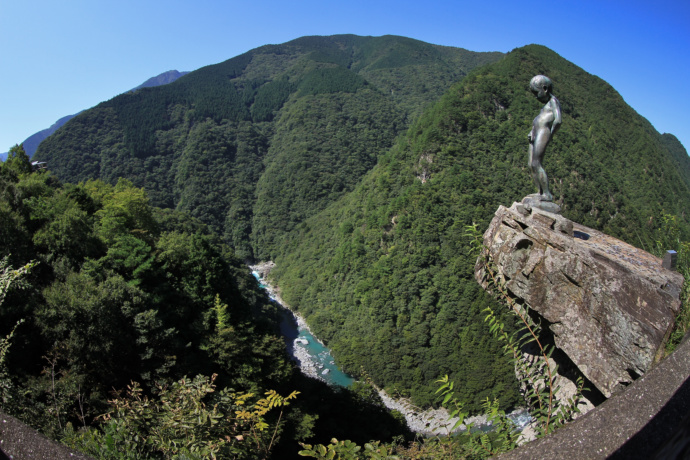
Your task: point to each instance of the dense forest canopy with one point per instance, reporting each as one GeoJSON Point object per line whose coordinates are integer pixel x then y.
{"type": "Point", "coordinates": [355, 163]}
{"type": "Point", "coordinates": [123, 292]}
{"type": "Point", "coordinates": [255, 144]}
{"type": "Point", "coordinates": [383, 274]}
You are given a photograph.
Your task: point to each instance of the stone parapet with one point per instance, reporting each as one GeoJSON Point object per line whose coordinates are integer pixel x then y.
{"type": "Point", "coordinates": [19, 441]}
{"type": "Point", "coordinates": [649, 420]}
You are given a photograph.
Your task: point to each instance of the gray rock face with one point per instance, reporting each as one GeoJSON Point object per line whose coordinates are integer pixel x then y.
{"type": "Point", "coordinates": [609, 305]}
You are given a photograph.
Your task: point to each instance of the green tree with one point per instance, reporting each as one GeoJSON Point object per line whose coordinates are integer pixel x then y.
{"type": "Point", "coordinates": [94, 324]}
{"type": "Point", "coordinates": [187, 419]}
{"type": "Point", "coordinates": [18, 161]}
{"type": "Point", "coordinates": [125, 210]}
{"type": "Point", "coordinates": [9, 277]}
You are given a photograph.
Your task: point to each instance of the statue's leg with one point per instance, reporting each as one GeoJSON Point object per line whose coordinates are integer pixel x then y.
{"type": "Point", "coordinates": [544, 185]}
{"type": "Point", "coordinates": [542, 140]}
{"type": "Point", "coordinates": [533, 167]}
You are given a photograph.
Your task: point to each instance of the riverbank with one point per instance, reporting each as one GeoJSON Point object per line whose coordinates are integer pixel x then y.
{"type": "Point", "coordinates": [426, 422]}
{"type": "Point", "coordinates": [263, 269]}
{"type": "Point", "coordinates": [299, 353]}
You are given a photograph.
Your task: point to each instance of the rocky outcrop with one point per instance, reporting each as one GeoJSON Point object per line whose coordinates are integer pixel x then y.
{"type": "Point", "coordinates": [609, 305]}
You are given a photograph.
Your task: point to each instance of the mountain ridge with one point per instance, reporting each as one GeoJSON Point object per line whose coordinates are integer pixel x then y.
{"type": "Point", "coordinates": [363, 198]}
{"type": "Point", "coordinates": [219, 121]}
{"type": "Point", "coordinates": [161, 79]}
{"type": "Point", "coordinates": [32, 142]}
{"type": "Point", "coordinates": [383, 275]}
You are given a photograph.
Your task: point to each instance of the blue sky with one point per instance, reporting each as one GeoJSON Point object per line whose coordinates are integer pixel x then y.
{"type": "Point", "coordinates": [57, 58]}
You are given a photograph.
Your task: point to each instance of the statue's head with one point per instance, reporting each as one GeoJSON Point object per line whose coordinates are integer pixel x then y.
{"type": "Point", "coordinates": [541, 86]}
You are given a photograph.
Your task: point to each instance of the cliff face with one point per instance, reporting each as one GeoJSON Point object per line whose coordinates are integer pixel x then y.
{"type": "Point", "coordinates": [609, 305]}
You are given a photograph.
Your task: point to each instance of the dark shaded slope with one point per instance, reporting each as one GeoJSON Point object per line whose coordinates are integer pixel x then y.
{"type": "Point", "coordinates": [679, 155]}
{"type": "Point", "coordinates": [384, 274]}
{"type": "Point", "coordinates": [32, 142]}
{"type": "Point", "coordinates": [322, 146]}
{"type": "Point", "coordinates": [316, 110]}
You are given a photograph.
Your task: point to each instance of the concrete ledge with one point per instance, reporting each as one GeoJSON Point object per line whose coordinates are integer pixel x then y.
{"type": "Point", "coordinates": [18, 441]}
{"type": "Point", "coordinates": [649, 420]}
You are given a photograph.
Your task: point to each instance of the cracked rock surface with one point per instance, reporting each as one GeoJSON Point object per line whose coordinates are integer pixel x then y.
{"type": "Point", "coordinates": [610, 306]}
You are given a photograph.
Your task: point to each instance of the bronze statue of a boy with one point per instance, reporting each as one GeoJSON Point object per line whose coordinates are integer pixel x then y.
{"type": "Point", "coordinates": [543, 129]}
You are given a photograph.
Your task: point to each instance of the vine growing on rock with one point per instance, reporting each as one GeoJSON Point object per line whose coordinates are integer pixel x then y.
{"type": "Point", "coordinates": [537, 376]}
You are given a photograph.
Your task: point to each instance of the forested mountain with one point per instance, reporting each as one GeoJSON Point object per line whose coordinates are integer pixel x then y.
{"type": "Point", "coordinates": [383, 274]}
{"type": "Point", "coordinates": [257, 143]}
{"type": "Point", "coordinates": [32, 142]}
{"type": "Point", "coordinates": [123, 292]}
{"type": "Point", "coordinates": [286, 152]}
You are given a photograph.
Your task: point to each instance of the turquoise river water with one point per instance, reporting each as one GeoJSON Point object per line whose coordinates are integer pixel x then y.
{"type": "Point", "coordinates": [319, 355]}
{"type": "Point", "coordinates": [300, 341]}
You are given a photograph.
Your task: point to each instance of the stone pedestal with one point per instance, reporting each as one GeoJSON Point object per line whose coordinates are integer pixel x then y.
{"type": "Point", "coordinates": [535, 201]}
{"type": "Point", "coordinates": [609, 305]}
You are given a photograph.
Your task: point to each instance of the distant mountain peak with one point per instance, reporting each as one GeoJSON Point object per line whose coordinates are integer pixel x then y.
{"type": "Point", "coordinates": [162, 79]}
{"type": "Point", "coordinates": [31, 143]}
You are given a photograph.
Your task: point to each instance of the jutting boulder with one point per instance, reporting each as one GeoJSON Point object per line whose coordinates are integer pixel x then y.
{"type": "Point", "coordinates": [609, 305]}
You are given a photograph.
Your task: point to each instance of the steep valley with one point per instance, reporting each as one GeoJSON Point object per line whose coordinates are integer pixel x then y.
{"type": "Point", "coordinates": [286, 152]}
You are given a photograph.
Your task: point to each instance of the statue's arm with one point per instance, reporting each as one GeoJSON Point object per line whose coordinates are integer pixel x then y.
{"type": "Point", "coordinates": [557, 117]}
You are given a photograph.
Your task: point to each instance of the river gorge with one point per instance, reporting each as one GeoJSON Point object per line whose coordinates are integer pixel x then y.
{"type": "Point", "coordinates": [315, 361]}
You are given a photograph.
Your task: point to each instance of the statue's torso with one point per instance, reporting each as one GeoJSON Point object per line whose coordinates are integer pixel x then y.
{"type": "Point", "coordinates": [544, 119]}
